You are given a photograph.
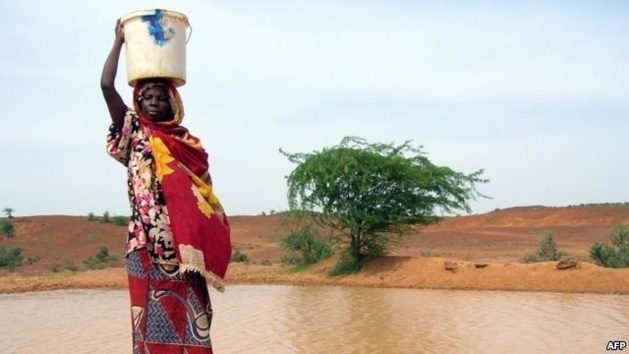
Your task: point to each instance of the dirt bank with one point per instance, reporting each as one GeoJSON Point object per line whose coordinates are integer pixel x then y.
{"type": "Point", "coordinates": [405, 272]}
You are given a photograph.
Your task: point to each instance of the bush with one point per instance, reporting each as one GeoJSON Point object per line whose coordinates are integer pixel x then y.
{"type": "Point", "coordinates": [346, 265]}
{"type": "Point", "coordinates": [546, 251]}
{"type": "Point", "coordinates": [67, 264]}
{"type": "Point", "coordinates": [10, 257]}
{"type": "Point", "coordinates": [91, 217]}
{"type": "Point", "coordinates": [305, 247]}
{"type": "Point", "coordinates": [8, 228]}
{"type": "Point", "coordinates": [616, 255]}
{"type": "Point", "coordinates": [106, 217]}
{"type": "Point", "coordinates": [119, 220]}
{"type": "Point", "coordinates": [239, 257]}
{"type": "Point", "coordinates": [266, 262]}
{"type": "Point", "coordinates": [101, 260]}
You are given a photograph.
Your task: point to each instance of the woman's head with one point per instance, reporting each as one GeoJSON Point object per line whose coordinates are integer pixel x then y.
{"type": "Point", "coordinates": [158, 101]}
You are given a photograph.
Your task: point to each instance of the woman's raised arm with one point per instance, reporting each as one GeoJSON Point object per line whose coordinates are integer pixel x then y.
{"type": "Point", "coordinates": [115, 104]}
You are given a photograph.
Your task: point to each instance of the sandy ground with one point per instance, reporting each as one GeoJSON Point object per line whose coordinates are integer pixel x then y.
{"type": "Point", "coordinates": [472, 252]}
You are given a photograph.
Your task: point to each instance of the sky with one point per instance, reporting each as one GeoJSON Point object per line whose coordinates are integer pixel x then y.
{"type": "Point", "coordinates": [536, 93]}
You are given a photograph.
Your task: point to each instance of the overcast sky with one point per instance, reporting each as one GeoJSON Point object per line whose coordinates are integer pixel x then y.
{"type": "Point", "coordinates": [534, 92]}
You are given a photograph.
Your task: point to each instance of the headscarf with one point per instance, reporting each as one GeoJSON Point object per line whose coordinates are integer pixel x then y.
{"type": "Point", "coordinates": [200, 228]}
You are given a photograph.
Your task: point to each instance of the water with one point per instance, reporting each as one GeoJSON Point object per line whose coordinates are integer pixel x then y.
{"type": "Point", "coordinates": [296, 319]}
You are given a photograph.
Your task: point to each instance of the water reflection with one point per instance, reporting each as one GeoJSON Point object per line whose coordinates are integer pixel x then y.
{"type": "Point", "coordinates": [289, 319]}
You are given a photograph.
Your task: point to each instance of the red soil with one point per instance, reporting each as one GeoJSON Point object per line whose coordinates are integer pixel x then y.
{"type": "Point", "coordinates": [499, 239]}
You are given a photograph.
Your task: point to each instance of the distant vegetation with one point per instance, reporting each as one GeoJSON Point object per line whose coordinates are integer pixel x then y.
{"type": "Point", "coordinates": [622, 204]}
{"type": "Point", "coordinates": [7, 228]}
{"type": "Point", "coordinates": [240, 257]}
{"type": "Point", "coordinates": [546, 250]}
{"type": "Point", "coordinates": [586, 205]}
{"type": "Point", "coordinates": [101, 260]}
{"type": "Point", "coordinates": [120, 220]}
{"type": "Point", "coordinates": [305, 246]}
{"type": "Point", "coordinates": [117, 220]}
{"type": "Point", "coordinates": [8, 212]}
{"type": "Point", "coordinates": [615, 255]}
{"type": "Point", "coordinates": [10, 257]}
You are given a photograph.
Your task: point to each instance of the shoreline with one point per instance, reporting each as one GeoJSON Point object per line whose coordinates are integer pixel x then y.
{"type": "Point", "coordinates": [385, 272]}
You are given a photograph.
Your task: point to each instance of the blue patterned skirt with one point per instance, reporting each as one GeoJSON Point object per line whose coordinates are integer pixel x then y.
{"type": "Point", "coordinates": [170, 312]}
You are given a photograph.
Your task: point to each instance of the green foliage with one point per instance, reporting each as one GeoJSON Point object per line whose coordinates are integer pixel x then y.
{"type": "Point", "coordinates": [68, 264]}
{"type": "Point", "coordinates": [238, 256]}
{"type": "Point", "coordinates": [8, 212]}
{"type": "Point", "coordinates": [10, 257]}
{"type": "Point", "coordinates": [106, 218]}
{"type": "Point", "coordinates": [546, 250]}
{"type": "Point", "coordinates": [91, 217]}
{"type": "Point", "coordinates": [615, 255]}
{"type": "Point", "coordinates": [374, 192]}
{"type": "Point", "coordinates": [101, 260]}
{"type": "Point", "coordinates": [8, 228]}
{"type": "Point", "coordinates": [347, 264]}
{"type": "Point", "coordinates": [305, 246]}
{"type": "Point", "coordinates": [120, 220]}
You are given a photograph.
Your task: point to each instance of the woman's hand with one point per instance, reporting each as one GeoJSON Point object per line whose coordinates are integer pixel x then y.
{"type": "Point", "coordinates": [119, 31]}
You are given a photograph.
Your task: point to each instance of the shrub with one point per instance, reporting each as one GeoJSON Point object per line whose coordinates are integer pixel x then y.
{"type": "Point", "coordinates": [91, 217]}
{"type": "Point", "coordinates": [304, 246]}
{"type": "Point", "coordinates": [68, 264]}
{"type": "Point", "coordinates": [616, 255]}
{"type": "Point", "coordinates": [102, 259]}
{"type": "Point", "coordinates": [346, 265]}
{"type": "Point", "coordinates": [33, 259]}
{"type": "Point", "coordinates": [266, 262]}
{"type": "Point", "coordinates": [546, 250]}
{"type": "Point", "coordinates": [106, 217]}
{"type": "Point", "coordinates": [239, 257]}
{"type": "Point", "coordinates": [10, 257]}
{"type": "Point", "coordinates": [8, 228]}
{"type": "Point", "coordinates": [120, 220]}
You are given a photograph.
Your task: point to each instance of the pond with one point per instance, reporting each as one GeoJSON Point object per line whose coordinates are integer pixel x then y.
{"type": "Point", "coordinates": [325, 319]}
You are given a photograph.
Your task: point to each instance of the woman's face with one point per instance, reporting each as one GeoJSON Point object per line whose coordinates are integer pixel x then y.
{"type": "Point", "coordinates": [155, 106]}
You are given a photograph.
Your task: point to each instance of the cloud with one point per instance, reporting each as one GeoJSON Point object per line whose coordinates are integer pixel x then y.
{"type": "Point", "coordinates": [535, 93]}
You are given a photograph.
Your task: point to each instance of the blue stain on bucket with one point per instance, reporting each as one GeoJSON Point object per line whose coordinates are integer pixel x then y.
{"type": "Point", "coordinates": [156, 30]}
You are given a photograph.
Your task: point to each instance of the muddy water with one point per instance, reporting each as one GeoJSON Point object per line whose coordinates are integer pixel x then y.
{"type": "Point", "coordinates": [289, 319]}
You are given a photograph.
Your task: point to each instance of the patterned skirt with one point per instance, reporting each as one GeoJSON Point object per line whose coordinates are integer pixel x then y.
{"type": "Point", "coordinates": [170, 312]}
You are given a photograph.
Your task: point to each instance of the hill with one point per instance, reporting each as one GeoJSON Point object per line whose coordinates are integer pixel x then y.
{"type": "Point", "coordinates": [501, 237]}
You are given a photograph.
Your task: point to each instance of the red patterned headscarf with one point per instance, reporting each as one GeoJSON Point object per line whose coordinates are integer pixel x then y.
{"type": "Point", "coordinates": [200, 228]}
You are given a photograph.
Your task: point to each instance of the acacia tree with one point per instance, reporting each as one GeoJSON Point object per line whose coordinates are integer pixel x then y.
{"type": "Point", "coordinates": [371, 192]}
{"type": "Point", "coordinates": [9, 212]}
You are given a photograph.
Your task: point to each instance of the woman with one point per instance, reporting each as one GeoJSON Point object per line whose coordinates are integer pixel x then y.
{"type": "Point", "coordinates": [178, 236]}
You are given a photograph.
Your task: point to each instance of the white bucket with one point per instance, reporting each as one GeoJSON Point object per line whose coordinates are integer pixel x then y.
{"type": "Point", "coordinates": [155, 42]}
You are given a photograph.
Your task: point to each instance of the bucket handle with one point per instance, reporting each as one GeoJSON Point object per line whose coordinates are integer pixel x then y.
{"type": "Point", "coordinates": [190, 33]}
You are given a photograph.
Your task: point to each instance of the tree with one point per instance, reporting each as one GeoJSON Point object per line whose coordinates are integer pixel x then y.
{"type": "Point", "coordinates": [8, 228]}
{"type": "Point", "coordinates": [9, 212]}
{"type": "Point", "coordinates": [370, 192]}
